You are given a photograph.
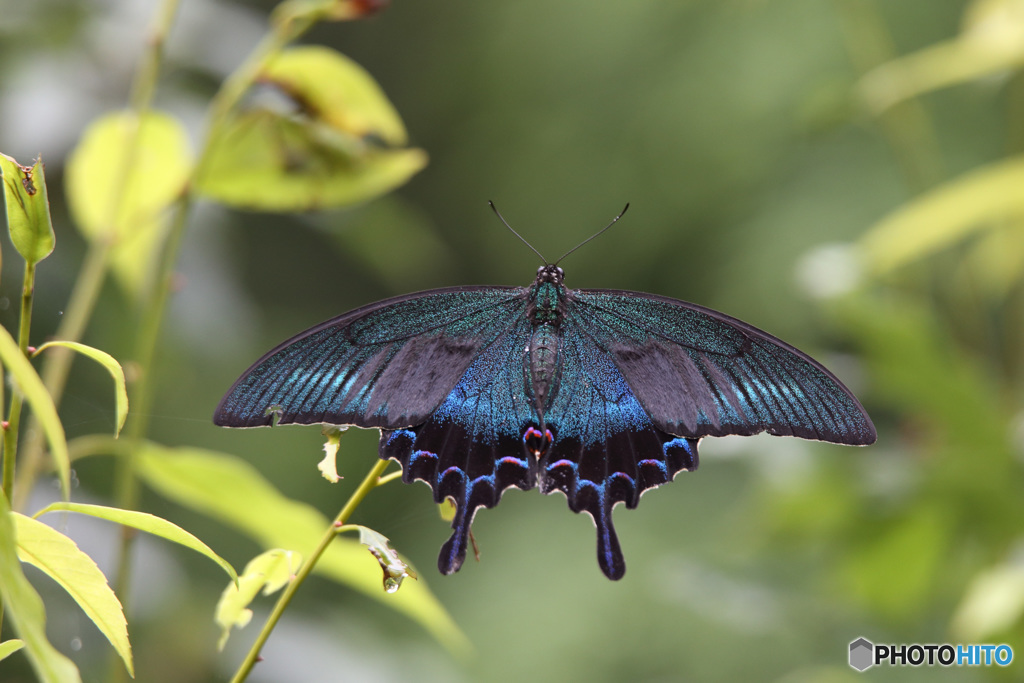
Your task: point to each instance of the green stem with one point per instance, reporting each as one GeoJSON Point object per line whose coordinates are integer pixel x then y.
{"type": "Point", "coordinates": [58, 363]}
{"type": "Point", "coordinates": [14, 416]}
{"type": "Point", "coordinates": [372, 480]}
{"type": "Point", "coordinates": [94, 270]}
{"type": "Point", "coordinates": [10, 438]}
{"type": "Point", "coordinates": [224, 102]}
{"type": "Point", "coordinates": [907, 127]}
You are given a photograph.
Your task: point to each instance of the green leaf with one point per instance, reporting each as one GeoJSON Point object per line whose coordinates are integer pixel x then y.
{"type": "Point", "coordinates": [112, 366]}
{"type": "Point", "coordinates": [266, 161]}
{"type": "Point", "coordinates": [42, 405]}
{"type": "Point", "coordinates": [895, 570]}
{"type": "Point", "coordinates": [9, 647]}
{"type": "Point", "coordinates": [59, 558]}
{"type": "Point", "coordinates": [337, 91]}
{"type": "Point", "coordinates": [28, 209]}
{"type": "Point", "coordinates": [946, 214]}
{"type": "Point", "coordinates": [24, 607]}
{"type": "Point", "coordinates": [143, 521]}
{"type": "Point", "coordinates": [395, 569]}
{"type": "Point", "coordinates": [992, 41]}
{"type": "Point", "coordinates": [993, 602]}
{"type": "Point", "coordinates": [121, 178]}
{"type": "Point", "coordinates": [269, 571]}
{"type": "Point", "coordinates": [232, 491]}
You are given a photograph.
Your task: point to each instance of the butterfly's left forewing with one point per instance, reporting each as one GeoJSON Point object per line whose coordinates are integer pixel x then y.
{"type": "Point", "coordinates": [388, 365]}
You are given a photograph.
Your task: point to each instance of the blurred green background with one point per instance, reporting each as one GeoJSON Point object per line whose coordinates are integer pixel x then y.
{"type": "Point", "coordinates": [774, 172]}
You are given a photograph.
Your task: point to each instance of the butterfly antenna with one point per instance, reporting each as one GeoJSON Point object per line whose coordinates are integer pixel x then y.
{"type": "Point", "coordinates": [595, 235]}
{"type": "Point", "coordinates": [523, 239]}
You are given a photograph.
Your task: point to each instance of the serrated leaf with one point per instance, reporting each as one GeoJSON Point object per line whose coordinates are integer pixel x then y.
{"type": "Point", "coordinates": [42, 405]}
{"type": "Point", "coordinates": [59, 558]}
{"type": "Point", "coordinates": [143, 521]}
{"type": "Point", "coordinates": [112, 366]}
{"type": "Point", "coordinates": [335, 90]}
{"type": "Point", "coordinates": [946, 214]}
{"type": "Point", "coordinates": [266, 161]}
{"type": "Point", "coordinates": [128, 210]}
{"type": "Point", "coordinates": [28, 209]}
{"type": "Point", "coordinates": [9, 647]}
{"type": "Point", "coordinates": [24, 608]}
{"type": "Point", "coordinates": [231, 490]}
{"type": "Point", "coordinates": [269, 572]}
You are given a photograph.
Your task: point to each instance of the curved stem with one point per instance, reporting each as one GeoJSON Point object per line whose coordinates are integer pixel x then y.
{"type": "Point", "coordinates": [14, 416]}
{"type": "Point", "coordinates": [93, 273]}
{"type": "Point", "coordinates": [224, 102]}
{"type": "Point", "coordinates": [372, 480]}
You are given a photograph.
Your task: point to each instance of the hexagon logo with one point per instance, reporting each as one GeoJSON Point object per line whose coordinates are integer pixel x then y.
{"type": "Point", "coordinates": [862, 654]}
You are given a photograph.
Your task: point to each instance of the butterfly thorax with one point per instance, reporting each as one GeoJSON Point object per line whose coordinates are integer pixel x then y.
{"type": "Point", "coordinates": [542, 362]}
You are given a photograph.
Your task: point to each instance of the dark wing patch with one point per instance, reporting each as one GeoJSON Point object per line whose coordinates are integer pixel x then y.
{"type": "Point", "coordinates": [470, 449]}
{"type": "Point", "coordinates": [605, 448]}
{"type": "Point", "coordinates": [699, 373]}
{"type": "Point", "coordinates": [387, 365]}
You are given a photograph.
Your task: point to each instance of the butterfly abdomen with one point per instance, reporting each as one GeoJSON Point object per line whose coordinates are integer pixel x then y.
{"type": "Point", "coordinates": [542, 359]}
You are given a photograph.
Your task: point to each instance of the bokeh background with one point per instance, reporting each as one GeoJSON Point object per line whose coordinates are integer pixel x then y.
{"type": "Point", "coordinates": [774, 155]}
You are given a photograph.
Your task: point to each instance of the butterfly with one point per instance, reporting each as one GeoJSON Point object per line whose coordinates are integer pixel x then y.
{"type": "Point", "coordinates": [600, 394]}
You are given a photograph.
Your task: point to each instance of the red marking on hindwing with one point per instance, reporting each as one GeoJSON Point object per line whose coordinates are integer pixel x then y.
{"type": "Point", "coordinates": [537, 443]}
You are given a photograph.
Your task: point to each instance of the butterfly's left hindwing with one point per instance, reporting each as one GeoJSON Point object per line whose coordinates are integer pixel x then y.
{"type": "Point", "coordinates": [386, 365]}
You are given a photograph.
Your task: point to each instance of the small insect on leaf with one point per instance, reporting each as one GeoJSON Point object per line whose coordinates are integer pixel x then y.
{"type": "Point", "coordinates": [28, 209]}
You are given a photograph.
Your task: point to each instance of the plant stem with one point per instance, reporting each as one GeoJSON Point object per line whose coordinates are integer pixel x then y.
{"type": "Point", "coordinates": [373, 479]}
{"type": "Point", "coordinates": [10, 437]}
{"type": "Point", "coordinates": [126, 483]}
{"type": "Point", "coordinates": [907, 127]}
{"type": "Point", "coordinates": [14, 416]}
{"type": "Point", "coordinates": [93, 273]}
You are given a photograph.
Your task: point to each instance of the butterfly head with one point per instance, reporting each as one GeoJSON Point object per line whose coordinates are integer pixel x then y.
{"type": "Point", "coordinates": [551, 274]}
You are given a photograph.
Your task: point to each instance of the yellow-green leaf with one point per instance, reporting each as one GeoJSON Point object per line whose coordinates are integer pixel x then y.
{"type": "Point", "coordinates": [269, 571]}
{"type": "Point", "coordinates": [42, 405]}
{"type": "Point", "coordinates": [946, 214]}
{"type": "Point", "coordinates": [121, 179]}
{"type": "Point", "coordinates": [9, 647]}
{"type": "Point", "coordinates": [992, 603]}
{"type": "Point", "coordinates": [992, 41]}
{"type": "Point", "coordinates": [334, 89]}
{"type": "Point", "coordinates": [143, 521]}
{"type": "Point", "coordinates": [234, 492]}
{"type": "Point", "coordinates": [329, 465]}
{"type": "Point", "coordinates": [28, 209]}
{"type": "Point", "coordinates": [112, 366]}
{"type": "Point", "coordinates": [59, 558]}
{"type": "Point", "coordinates": [394, 567]}
{"type": "Point", "coordinates": [265, 161]}
{"type": "Point", "coordinates": [24, 609]}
